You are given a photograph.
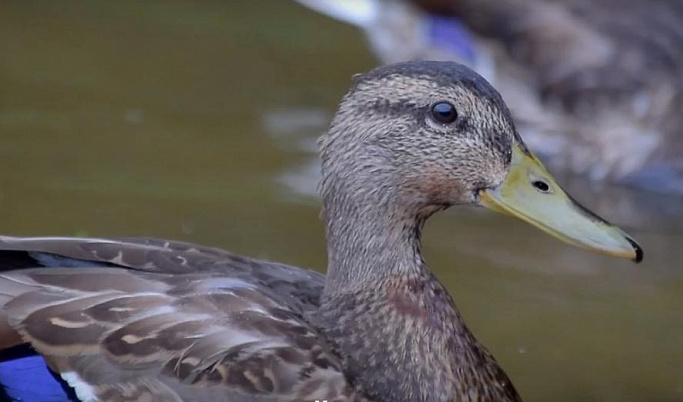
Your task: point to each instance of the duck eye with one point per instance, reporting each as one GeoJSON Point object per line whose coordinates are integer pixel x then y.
{"type": "Point", "coordinates": [541, 186]}
{"type": "Point", "coordinates": [444, 112]}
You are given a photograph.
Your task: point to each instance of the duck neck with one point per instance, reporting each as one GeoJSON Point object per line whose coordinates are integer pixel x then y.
{"type": "Point", "coordinates": [370, 242]}
{"type": "Point", "coordinates": [398, 332]}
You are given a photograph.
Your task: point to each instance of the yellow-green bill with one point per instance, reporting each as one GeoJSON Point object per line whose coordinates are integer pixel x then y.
{"type": "Point", "coordinates": [531, 194]}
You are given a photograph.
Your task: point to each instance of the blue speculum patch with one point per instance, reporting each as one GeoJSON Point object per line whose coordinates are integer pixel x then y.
{"type": "Point", "coordinates": [24, 376]}
{"type": "Point", "coordinates": [453, 36]}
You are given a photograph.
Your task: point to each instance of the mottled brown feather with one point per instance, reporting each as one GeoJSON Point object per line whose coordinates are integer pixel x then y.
{"type": "Point", "coordinates": [206, 329]}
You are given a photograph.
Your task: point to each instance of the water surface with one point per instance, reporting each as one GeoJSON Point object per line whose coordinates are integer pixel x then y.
{"type": "Point", "coordinates": [197, 121]}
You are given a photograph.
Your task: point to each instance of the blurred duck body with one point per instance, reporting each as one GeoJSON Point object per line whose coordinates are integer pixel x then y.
{"type": "Point", "coordinates": [594, 86]}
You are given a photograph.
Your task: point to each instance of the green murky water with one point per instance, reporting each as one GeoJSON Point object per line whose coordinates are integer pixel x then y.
{"type": "Point", "coordinates": [196, 121]}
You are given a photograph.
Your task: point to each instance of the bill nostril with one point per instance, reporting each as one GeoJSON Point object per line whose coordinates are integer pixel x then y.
{"type": "Point", "coordinates": [541, 186]}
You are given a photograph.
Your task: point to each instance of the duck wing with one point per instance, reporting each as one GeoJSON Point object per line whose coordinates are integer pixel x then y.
{"type": "Point", "coordinates": [147, 319]}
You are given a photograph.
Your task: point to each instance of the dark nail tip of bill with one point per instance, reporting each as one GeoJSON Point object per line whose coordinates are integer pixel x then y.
{"type": "Point", "coordinates": [638, 250]}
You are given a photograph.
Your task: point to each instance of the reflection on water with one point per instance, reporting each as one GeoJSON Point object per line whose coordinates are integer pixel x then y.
{"type": "Point", "coordinates": [197, 121]}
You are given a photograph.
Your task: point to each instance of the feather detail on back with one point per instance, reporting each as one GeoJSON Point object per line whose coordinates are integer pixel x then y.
{"type": "Point", "coordinates": [182, 321]}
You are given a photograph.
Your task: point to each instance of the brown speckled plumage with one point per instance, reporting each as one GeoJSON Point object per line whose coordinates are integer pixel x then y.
{"type": "Point", "coordinates": [134, 319]}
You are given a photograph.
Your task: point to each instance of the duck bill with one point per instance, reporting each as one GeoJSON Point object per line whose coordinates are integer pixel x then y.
{"type": "Point", "coordinates": [531, 194]}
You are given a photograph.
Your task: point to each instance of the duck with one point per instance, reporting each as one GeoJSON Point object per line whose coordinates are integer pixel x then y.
{"type": "Point", "coordinates": [133, 319]}
{"type": "Point", "coordinates": [593, 85]}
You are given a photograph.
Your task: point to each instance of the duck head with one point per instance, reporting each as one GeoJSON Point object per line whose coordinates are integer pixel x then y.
{"type": "Point", "coordinates": [417, 137]}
